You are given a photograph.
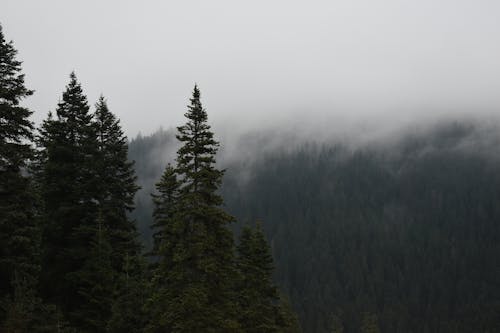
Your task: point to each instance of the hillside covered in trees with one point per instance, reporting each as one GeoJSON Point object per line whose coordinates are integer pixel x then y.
{"type": "Point", "coordinates": [179, 232]}
{"type": "Point", "coordinates": [394, 236]}
{"type": "Point", "coordinates": [70, 255]}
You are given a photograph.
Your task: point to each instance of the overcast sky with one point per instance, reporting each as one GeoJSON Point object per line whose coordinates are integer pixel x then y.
{"type": "Point", "coordinates": [261, 61]}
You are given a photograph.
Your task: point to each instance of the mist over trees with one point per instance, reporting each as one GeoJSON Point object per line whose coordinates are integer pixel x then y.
{"type": "Point", "coordinates": [164, 233]}
{"type": "Point", "coordinates": [70, 254]}
{"type": "Point", "coordinates": [393, 236]}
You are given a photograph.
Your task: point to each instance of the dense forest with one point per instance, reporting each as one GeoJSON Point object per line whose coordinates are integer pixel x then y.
{"type": "Point", "coordinates": [71, 259]}
{"type": "Point", "coordinates": [399, 235]}
{"type": "Point", "coordinates": [171, 232]}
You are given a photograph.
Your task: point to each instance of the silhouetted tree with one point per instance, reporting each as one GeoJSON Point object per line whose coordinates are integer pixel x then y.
{"type": "Point", "coordinates": [194, 289]}
{"type": "Point", "coordinates": [19, 232]}
{"type": "Point", "coordinates": [258, 297]}
{"type": "Point", "coordinates": [66, 175]}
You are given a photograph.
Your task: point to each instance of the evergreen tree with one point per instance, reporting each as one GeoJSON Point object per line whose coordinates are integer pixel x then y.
{"type": "Point", "coordinates": [19, 233]}
{"type": "Point", "coordinates": [66, 176]}
{"type": "Point", "coordinates": [164, 243]}
{"type": "Point", "coordinates": [287, 319]}
{"type": "Point", "coordinates": [128, 313]}
{"type": "Point", "coordinates": [115, 180]}
{"type": "Point", "coordinates": [194, 289]}
{"type": "Point", "coordinates": [164, 211]}
{"type": "Point", "coordinates": [259, 299]}
{"type": "Point", "coordinates": [96, 282]}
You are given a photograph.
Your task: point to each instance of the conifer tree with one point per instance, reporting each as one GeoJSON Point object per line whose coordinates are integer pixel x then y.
{"type": "Point", "coordinates": [164, 211]}
{"type": "Point", "coordinates": [96, 282]}
{"type": "Point", "coordinates": [128, 313]}
{"type": "Point", "coordinates": [194, 290]}
{"type": "Point", "coordinates": [19, 233]}
{"type": "Point", "coordinates": [115, 179]}
{"type": "Point", "coordinates": [66, 176]}
{"type": "Point", "coordinates": [287, 319]}
{"type": "Point", "coordinates": [164, 243]}
{"type": "Point", "coordinates": [116, 185]}
{"type": "Point", "coordinates": [258, 296]}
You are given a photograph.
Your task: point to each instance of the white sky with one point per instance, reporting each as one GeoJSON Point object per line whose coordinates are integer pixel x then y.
{"type": "Point", "coordinates": [260, 62]}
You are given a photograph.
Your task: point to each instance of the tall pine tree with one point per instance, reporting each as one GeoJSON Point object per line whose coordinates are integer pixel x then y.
{"type": "Point", "coordinates": [96, 282]}
{"type": "Point", "coordinates": [260, 308]}
{"type": "Point", "coordinates": [196, 253]}
{"type": "Point", "coordinates": [19, 232]}
{"type": "Point", "coordinates": [67, 180]}
{"type": "Point", "coordinates": [116, 183]}
{"type": "Point", "coordinates": [164, 210]}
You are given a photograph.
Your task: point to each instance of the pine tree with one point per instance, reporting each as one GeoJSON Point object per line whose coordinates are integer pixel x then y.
{"type": "Point", "coordinates": [19, 233]}
{"type": "Point", "coordinates": [116, 183]}
{"type": "Point", "coordinates": [164, 211]}
{"type": "Point", "coordinates": [259, 298]}
{"type": "Point", "coordinates": [66, 177]}
{"type": "Point", "coordinates": [115, 180]}
{"type": "Point", "coordinates": [287, 319]}
{"type": "Point", "coordinates": [164, 244]}
{"type": "Point", "coordinates": [194, 284]}
{"type": "Point", "coordinates": [128, 313]}
{"type": "Point", "coordinates": [96, 282]}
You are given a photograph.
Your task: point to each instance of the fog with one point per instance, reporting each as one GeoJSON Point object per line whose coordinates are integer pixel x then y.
{"type": "Point", "coordinates": [319, 66]}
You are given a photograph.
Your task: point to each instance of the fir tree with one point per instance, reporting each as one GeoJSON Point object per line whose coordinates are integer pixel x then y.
{"type": "Point", "coordinates": [66, 175]}
{"type": "Point", "coordinates": [164, 243]}
{"type": "Point", "coordinates": [194, 285]}
{"type": "Point", "coordinates": [128, 313]}
{"type": "Point", "coordinates": [96, 282]}
{"type": "Point", "coordinates": [164, 211]}
{"type": "Point", "coordinates": [258, 297]}
{"type": "Point", "coordinates": [115, 180]}
{"type": "Point", "coordinates": [287, 319]}
{"type": "Point", "coordinates": [19, 233]}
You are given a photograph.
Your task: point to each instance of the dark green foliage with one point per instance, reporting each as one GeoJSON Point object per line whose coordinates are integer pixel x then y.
{"type": "Point", "coordinates": [258, 298]}
{"type": "Point", "coordinates": [96, 280]}
{"type": "Point", "coordinates": [150, 154]}
{"type": "Point", "coordinates": [128, 310]}
{"type": "Point", "coordinates": [406, 231]}
{"type": "Point", "coordinates": [88, 186]}
{"type": "Point", "coordinates": [116, 189]}
{"type": "Point", "coordinates": [20, 308]}
{"type": "Point", "coordinates": [287, 318]}
{"type": "Point", "coordinates": [369, 323]}
{"type": "Point", "coordinates": [25, 312]}
{"type": "Point", "coordinates": [408, 234]}
{"type": "Point", "coordinates": [165, 208]}
{"type": "Point", "coordinates": [194, 281]}
{"type": "Point", "coordinates": [67, 181]}
{"type": "Point", "coordinates": [115, 179]}
{"type": "Point", "coordinates": [19, 232]}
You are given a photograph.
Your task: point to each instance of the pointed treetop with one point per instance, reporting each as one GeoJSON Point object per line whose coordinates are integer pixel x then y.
{"type": "Point", "coordinates": [73, 100]}
{"type": "Point", "coordinates": [12, 88]}
{"type": "Point", "coordinates": [102, 104]}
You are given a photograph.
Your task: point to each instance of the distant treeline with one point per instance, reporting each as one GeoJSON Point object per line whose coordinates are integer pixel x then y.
{"type": "Point", "coordinates": [402, 236]}
{"type": "Point", "coordinates": [70, 255]}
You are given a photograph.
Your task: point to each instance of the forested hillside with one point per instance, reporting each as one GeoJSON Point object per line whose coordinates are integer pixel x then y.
{"type": "Point", "coordinates": [395, 236]}
{"type": "Point", "coordinates": [380, 228]}
{"type": "Point", "coordinates": [71, 259]}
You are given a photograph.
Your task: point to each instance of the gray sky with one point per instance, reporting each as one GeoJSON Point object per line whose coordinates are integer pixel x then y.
{"type": "Point", "coordinates": [261, 62]}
